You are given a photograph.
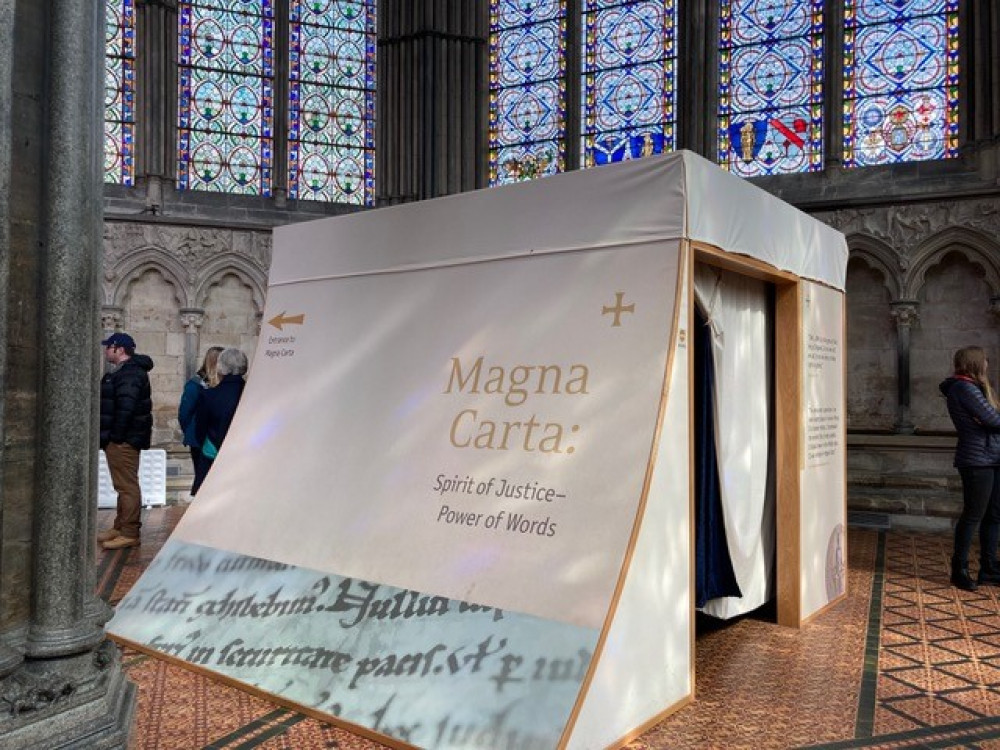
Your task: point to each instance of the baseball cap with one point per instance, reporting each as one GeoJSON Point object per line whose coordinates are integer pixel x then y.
{"type": "Point", "coordinates": [119, 339]}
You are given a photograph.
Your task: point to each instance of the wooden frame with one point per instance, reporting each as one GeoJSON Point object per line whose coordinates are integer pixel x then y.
{"type": "Point", "coordinates": [788, 419]}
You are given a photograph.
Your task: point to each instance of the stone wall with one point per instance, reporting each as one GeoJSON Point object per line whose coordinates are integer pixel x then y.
{"type": "Point", "coordinates": [923, 281]}
{"type": "Point", "coordinates": [179, 290]}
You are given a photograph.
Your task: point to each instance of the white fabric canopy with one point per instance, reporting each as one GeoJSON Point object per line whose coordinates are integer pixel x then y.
{"type": "Point", "coordinates": [683, 197]}
{"type": "Point", "coordinates": [737, 312]}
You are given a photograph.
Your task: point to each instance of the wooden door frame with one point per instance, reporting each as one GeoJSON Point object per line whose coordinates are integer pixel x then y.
{"type": "Point", "coordinates": [788, 418]}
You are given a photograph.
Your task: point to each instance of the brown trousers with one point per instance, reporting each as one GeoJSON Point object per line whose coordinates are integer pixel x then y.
{"type": "Point", "coordinates": [123, 464]}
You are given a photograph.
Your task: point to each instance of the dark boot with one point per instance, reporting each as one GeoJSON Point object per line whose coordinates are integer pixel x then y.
{"type": "Point", "coordinates": [989, 538]}
{"type": "Point", "coordinates": [989, 572]}
{"type": "Point", "coordinates": [960, 577]}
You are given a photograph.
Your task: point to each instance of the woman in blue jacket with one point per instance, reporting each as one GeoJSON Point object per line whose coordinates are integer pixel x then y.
{"type": "Point", "coordinates": [185, 413]}
{"type": "Point", "coordinates": [972, 405]}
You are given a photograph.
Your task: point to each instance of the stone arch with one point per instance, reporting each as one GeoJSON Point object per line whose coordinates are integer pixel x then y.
{"type": "Point", "coordinates": [136, 264]}
{"type": "Point", "coordinates": [873, 281]}
{"type": "Point", "coordinates": [975, 247]}
{"type": "Point", "coordinates": [955, 276]}
{"type": "Point", "coordinates": [879, 256]}
{"type": "Point", "coordinates": [231, 264]}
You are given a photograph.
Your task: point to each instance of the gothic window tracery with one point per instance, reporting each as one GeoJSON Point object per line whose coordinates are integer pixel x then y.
{"type": "Point", "coordinates": [225, 119]}
{"type": "Point", "coordinates": [527, 89]}
{"type": "Point", "coordinates": [900, 81]}
{"type": "Point", "coordinates": [770, 86]}
{"type": "Point", "coordinates": [331, 118]}
{"type": "Point", "coordinates": [629, 83]}
{"type": "Point", "coordinates": [119, 92]}
{"type": "Point", "coordinates": [234, 124]}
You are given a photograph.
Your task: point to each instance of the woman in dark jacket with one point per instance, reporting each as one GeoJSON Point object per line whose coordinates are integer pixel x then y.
{"type": "Point", "coordinates": [972, 406]}
{"type": "Point", "coordinates": [217, 405]}
{"type": "Point", "coordinates": [204, 378]}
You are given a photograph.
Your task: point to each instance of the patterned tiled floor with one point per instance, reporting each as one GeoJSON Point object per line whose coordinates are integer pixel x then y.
{"type": "Point", "coordinates": [905, 661]}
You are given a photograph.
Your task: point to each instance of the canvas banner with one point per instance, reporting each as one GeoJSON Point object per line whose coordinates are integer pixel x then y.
{"type": "Point", "coordinates": [423, 507]}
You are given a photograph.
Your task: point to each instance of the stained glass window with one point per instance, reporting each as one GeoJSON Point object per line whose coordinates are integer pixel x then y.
{"type": "Point", "coordinates": [225, 95]}
{"type": "Point", "coordinates": [331, 118]}
{"type": "Point", "coordinates": [119, 92]}
{"type": "Point", "coordinates": [900, 81]}
{"type": "Point", "coordinates": [771, 86]}
{"type": "Point", "coordinates": [628, 79]}
{"type": "Point", "coordinates": [527, 89]}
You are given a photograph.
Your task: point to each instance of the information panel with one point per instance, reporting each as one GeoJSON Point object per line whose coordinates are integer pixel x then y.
{"type": "Point", "coordinates": [824, 560]}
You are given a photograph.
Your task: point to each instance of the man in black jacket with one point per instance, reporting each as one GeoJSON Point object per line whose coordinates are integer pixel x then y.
{"type": "Point", "coordinates": [126, 429]}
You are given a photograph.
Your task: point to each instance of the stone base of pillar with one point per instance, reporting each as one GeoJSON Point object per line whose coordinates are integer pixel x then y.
{"type": "Point", "coordinates": [83, 702]}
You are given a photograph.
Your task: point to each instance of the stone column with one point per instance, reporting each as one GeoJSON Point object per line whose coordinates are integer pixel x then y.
{"type": "Point", "coordinates": [833, 83]}
{"type": "Point", "coordinates": [979, 92]}
{"type": "Point", "coordinates": [279, 156]}
{"type": "Point", "coordinates": [698, 90]}
{"type": "Point", "coordinates": [430, 138]}
{"type": "Point", "coordinates": [905, 313]}
{"type": "Point", "coordinates": [191, 319]}
{"type": "Point", "coordinates": [10, 658]}
{"type": "Point", "coordinates": [156, 91]}
{"type": "Point", "coordinates": [68, 688]}
{"type": "Point", "coordinates": [574, 94]}
{"type": "Point", "coordinates": [980, 56]}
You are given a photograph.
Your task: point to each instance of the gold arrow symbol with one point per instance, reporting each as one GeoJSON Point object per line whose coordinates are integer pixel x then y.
{"type": "Point", "coordinates": [281, 319]}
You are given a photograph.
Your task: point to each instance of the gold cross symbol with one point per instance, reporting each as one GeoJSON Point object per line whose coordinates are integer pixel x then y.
{"type": "Point", "coordinates": [617, 309]}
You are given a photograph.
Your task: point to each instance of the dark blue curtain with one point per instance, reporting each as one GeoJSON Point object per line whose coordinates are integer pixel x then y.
{"type": "Point", "coordinates": [714, 576]}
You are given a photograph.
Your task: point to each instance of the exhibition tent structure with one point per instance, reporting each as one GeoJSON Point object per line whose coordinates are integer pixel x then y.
{"type": "Point", "coordinates": [456, 506]}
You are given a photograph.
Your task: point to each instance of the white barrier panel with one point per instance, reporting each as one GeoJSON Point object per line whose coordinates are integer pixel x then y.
{"type": "Point", "coordinates": [152, 480]}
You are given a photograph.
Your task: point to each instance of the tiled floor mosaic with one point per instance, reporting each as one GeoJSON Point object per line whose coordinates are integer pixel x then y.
{"type": "Point", "coordinates": [905, 661]}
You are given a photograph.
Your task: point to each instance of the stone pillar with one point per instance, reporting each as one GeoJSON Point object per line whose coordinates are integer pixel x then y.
{"type": "Point", "coordinates": [67, 688]}
{"type": "Point", "coordinates": [430, 138]}
{"type": "Point", "coordinates": [979, 92]}
{"type": "Point", "coordinates": [156, 89]}
{"type": "Point", "coordinates": [10, 658]}
{"type": "Point", "coordinates": [905, 313]}
{"type": "Point", "coordinates": [191, 319]}
{"type": "Point", "coordinates": [980, 56]}
{"type": "Point", "coordinates": [574, 94]}
{"type": "Point", "coordinates": [279, 156]}
{"type": "Point", "coordinates": [698, 91]}
{"type": "Point", "coordinates": [833, 83]}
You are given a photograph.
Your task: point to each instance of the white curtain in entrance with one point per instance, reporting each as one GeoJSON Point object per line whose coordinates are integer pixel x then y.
{"type": "Point", "coordinates": [737, 311]}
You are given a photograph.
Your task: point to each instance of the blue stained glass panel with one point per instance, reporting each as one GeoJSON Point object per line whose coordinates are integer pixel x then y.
{"type": "Point", "coordinates": [119, 92]}
{"type": "Point", "coordinates": [879, 11]}
{"type": "Point", "coordinates": [511, 13]}
{"type": "Point", "coordinates": [527, 118]}
{"type": "Point", "coordinates": [771, 86]}
{"type": "Point", "coordinates": [768, 21]}
{"type": "Point", "coordinates": [225, 95]}
{"type": "Point", "coordinates": [331, 117]}
{"type": "Point", "coordinates": [628, 80]}
{"type": "Point", "coordinates": [900, 81]}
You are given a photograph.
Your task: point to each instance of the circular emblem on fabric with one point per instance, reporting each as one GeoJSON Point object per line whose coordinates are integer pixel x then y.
{"type": "Point", "coordinates": [836, 573]}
